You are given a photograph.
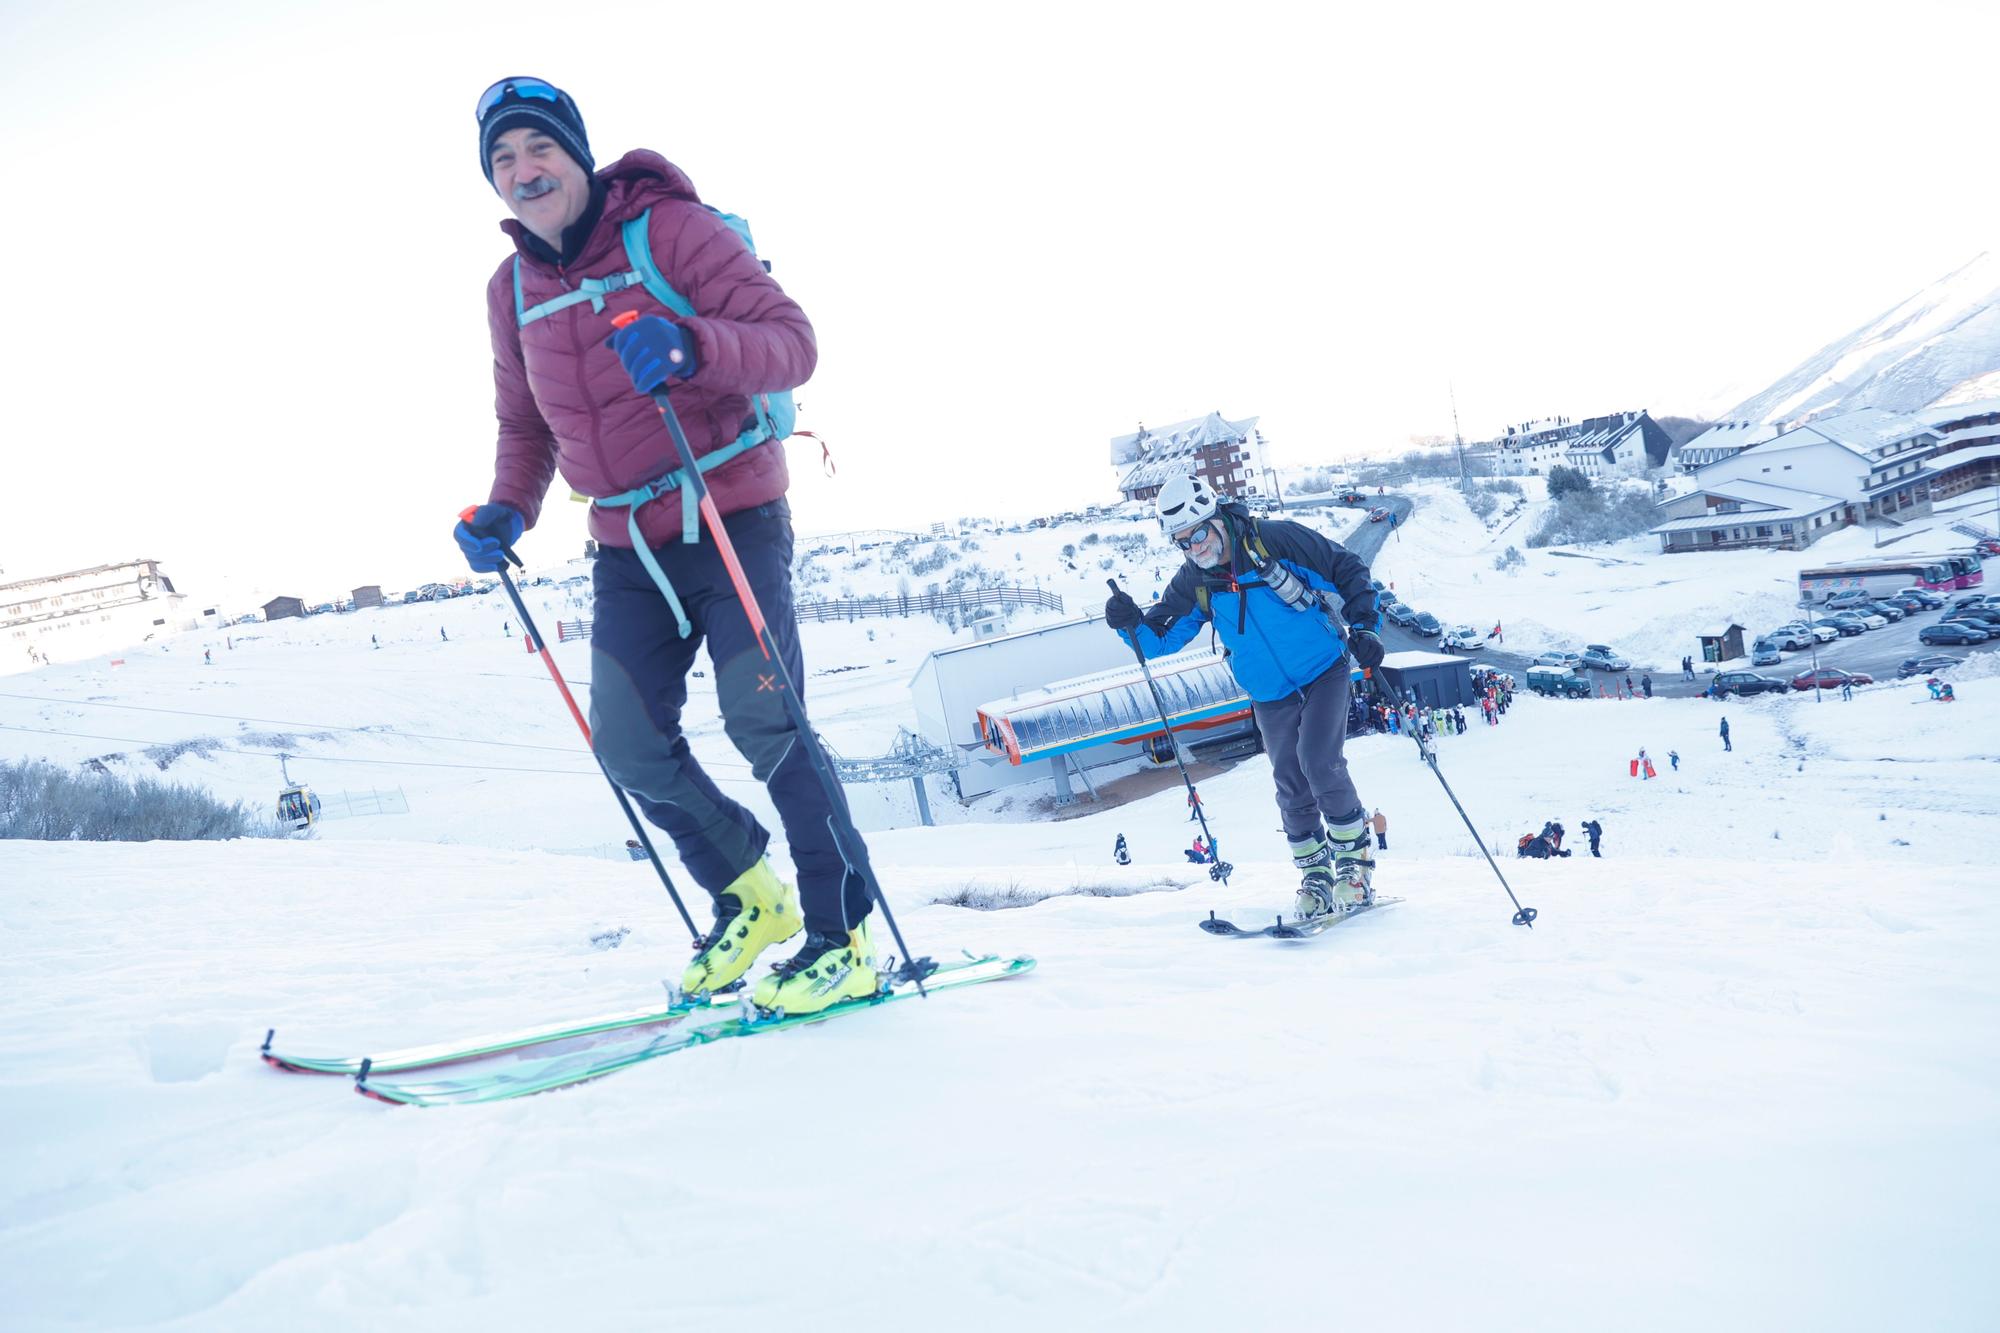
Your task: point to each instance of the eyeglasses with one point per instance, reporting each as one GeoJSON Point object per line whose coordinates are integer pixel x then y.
{"type": "Point", "coordinates": [494, 96]}
{"type": "Point", "coordinates": [1193, 539]}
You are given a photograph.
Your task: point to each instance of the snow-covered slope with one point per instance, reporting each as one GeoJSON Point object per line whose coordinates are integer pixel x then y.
{"type": "Point", "coordinates": [1902, 359]}
{"type": "Point", "coordinates": [1744, 1073]}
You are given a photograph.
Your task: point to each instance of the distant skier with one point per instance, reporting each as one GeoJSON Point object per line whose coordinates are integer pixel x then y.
{"type": "Point", "coordinates": [1725, 735]}
{"type": "Point", "coordinates": [1194, 805]}
{"type": "Point", "coordinates": [1595, 830]}
{"type": "Point", "coordinates": [1119, 852]}
{"type": "Point", "coordinates": [1674, 758]}
{"type": "Point", "coordinates": [1646, 684]}
{"type": "Point", "coordinates": [206, 660]}
{"type": "Point", "coordinates": [1846, 691]}
{"type": "Point", "coordinates": [1687, 668]}
{"type": "Point", "coordinates": [564, 404]}
{"type": "Point", "coordinates": [1291, 606]}
{"type": "Point", "coordinates": [443, 635]}
{"type": "Point", "coordinates": [374, 642]}
{"type": "Point", "coordinates": [1381, 824]}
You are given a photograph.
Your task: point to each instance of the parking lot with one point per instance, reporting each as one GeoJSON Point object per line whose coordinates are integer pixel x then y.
{"type": "Point", "coordinates": [1876, 653]}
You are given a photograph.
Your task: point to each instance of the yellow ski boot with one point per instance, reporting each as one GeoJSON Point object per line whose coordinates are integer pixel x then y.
{"type": "Point", "coordinates": [829, 969]}
{"type": "Point", "coordinates": [756, 911]}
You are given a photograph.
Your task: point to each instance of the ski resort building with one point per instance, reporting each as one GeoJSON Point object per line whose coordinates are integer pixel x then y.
{"type": "Point", "coordinates": [1624, 443]}
{"type": "Point", "coordinates": [1968, 452]}
{"type": "Point", "coordinates": [84, 612]}
{"type": "Point", "coordinates": [1804, 482]}
{"type": "Point", "coordinates": [1057, 701]}
{"type": "Point", "coordinates": [1229, 455]}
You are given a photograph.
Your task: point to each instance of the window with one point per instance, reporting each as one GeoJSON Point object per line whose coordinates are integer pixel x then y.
{"type": "Point", "coordinates": [1763, 531]}
{"type": "Point", "coordinates": [1788, 467]}
{"type": "Point", "coordinates": [1785, 528]}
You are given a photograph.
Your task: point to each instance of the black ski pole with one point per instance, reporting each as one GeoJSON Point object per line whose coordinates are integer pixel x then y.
{"type": "Point", "coordinates": [624, 802]}
{"type": "Point", "coordinates": [1217, 867]}
{"type": "Point", "coordinates": [846, 838]}
{"type": "Point", "coordinates": [1523, 916]}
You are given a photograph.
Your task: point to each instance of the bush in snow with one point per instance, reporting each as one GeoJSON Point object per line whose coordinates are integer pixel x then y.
{"type": "Point", "coordinates": [1586, 516]}
{"type": "Point", "coordinates": [1566, 480]}
{"type": "Point", "coordinates": [1511, 558]}
{"type": "Point", "coordinates": [1481, 504]}
{"type": "Point", "coordinates": [39, 800]}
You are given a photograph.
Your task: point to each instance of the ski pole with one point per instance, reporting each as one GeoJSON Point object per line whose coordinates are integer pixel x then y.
{"type": "Point", "coordinates": [846, 838]}
{"type": "Point", "coordinates": [1523, 916]}
{"type": "Point", "coordinates": [1217, 867]}
{"type": "Point", "coordinates": [624, 802]}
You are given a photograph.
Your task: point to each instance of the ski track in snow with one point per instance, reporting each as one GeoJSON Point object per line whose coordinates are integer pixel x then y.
{"type": "Point", "coordinates": [1744, 1073]}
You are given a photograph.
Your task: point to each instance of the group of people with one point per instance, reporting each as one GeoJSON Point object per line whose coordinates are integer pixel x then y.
{"type": "Point", "coordinates": [1627, 690]}
{"type": "Point", "coordinates": [1940, 690]}
{"type": "Point", "coordinates": [1548, 843]}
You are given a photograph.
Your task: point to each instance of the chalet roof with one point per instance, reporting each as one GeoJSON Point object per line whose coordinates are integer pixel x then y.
{"type": "Point", "coordinates": [1866, 429]}
{"type": "Point", "coordinates": [1725, 439]}
{"type": "Point", "coordinates": [1939, 416]}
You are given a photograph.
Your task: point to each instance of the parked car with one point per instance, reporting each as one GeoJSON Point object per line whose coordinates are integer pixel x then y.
{"type": "Point", "coordinates": [1847, 627]}
{"type": "Point", "coordinates": [1866, 619]}
{"type": "Point", "coordinates": [1598, 657]}
{"type": "Point", "coordinates": [1929, 600]}
{"type": "Point", "coordinates": [1790, 636]}
{"type": "Point", "coordinates": [1830, 678]}
{"type": "Point", "coordinates": [1462, 639]}
{"type": "Point", "coordinates": [1743, 683]}
{"type": "Point", "coordinates": [1987, 546]}
{"type": "Point", "coordinates": [1765, 652]}
{"type": "Point", "coordinates": [1956, 631]}
{"type": "Point", "coordinates": [1426, 624]}
{"type": "Point", "coordinates": [1904, 602]}
{"type": "Point", "coordinates": [1988, 615]}
{"type": "Point", "coordinates": [1889, 611]}
{"type": "Point", "coordinates": [1824, 633]}
{"type": "Point", "coordinates": [1558, 681]}
{"type": "Point", "coordinates": [1843, 601]}
{"type": "Point", "coordinates": [1352, 498]}
{"type": "Point", "coordinates": [1377, 514]}
{"type": "Point", "coordinates": [1925, 666]}
{"type": "Point", "coordinates": [1398, 612]}
{"type": "Point", "coordinates": [1970, 599]}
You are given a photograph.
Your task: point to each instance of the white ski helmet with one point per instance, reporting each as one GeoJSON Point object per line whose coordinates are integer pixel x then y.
{"type": "Point", "coordinates": [1184, 502]}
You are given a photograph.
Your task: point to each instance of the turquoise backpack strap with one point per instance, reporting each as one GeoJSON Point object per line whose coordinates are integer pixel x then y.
{"type": "Point", "coordinates": [593, 290]}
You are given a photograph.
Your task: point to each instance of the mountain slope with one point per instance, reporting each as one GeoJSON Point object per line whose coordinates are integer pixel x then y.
{"type": "Point", "coordinates": [1900, 360]}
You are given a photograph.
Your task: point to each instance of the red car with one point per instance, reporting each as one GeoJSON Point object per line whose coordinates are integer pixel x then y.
{"type": "Point", "coordinates": [1377, 515]}
{"type": "Point", "coordinates": [1830, 678]}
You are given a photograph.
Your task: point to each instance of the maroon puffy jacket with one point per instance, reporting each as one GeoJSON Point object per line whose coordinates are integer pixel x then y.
{"type": "Point", "coordinates": [565, 402]}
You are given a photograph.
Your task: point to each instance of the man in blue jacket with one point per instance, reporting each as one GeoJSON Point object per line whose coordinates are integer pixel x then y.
{"type": "Point", "coordinates": [1291, 607]}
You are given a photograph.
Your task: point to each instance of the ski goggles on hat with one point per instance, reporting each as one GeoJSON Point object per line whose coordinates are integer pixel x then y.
{"type": "Point", "coordinates": [535, 88]}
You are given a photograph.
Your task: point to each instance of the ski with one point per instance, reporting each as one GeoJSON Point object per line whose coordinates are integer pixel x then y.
{"type": "Point", "coordinates": [1283, 928]}
{"type": "Point", "coordinates": [470, 1048]}
{"type": "Point", "coordinates": [530, 1070]}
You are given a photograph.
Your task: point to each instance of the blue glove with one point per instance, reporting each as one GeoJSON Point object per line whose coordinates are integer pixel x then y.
{"type": "Point", "coordinates": [651, 349]}
{"type": "Point", "coordinates": [486, 534]}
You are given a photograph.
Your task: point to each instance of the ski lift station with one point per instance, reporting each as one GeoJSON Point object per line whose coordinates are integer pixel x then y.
{"type": "Point", "coordinates": [1065, 698]}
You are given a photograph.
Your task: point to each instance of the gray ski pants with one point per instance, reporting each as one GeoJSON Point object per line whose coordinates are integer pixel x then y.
{"type": "Point", "coordinates": [1304, 734]}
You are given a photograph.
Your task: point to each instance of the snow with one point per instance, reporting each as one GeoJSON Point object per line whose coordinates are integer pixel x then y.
{"type": "Point", "coordinates": [1900, 360]}
{"type": "Point", "coordinates": [1743, 1073]}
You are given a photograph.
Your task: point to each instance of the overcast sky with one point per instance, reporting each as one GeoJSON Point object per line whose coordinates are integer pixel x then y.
{"type": "Point", "coordinates": [248, 242]}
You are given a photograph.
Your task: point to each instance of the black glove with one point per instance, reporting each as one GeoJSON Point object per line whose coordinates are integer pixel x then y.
{"type": "Point", "coordinates": [1367, 649]}
{"type": "Point", "coordinates": [1121, 612]}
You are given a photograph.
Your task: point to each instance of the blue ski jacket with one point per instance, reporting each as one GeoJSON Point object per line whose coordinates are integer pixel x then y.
{"type": "Point", "coordinates": [1274, 649]}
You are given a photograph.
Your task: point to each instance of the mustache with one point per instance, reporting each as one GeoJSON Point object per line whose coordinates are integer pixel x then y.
{"type": "Point", "coordinates": [535, 188]}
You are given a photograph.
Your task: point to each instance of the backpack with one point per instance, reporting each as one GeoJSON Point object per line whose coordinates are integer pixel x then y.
{"type": "Point", "coordinates": [772, 415]}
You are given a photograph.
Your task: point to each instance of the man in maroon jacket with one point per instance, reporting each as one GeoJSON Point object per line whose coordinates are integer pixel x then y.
{"type": "Point", "coordinates": [570, 397]}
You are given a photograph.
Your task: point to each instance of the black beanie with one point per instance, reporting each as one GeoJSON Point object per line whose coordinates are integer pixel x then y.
{"type": "Point", "coordinates": [559, 119]}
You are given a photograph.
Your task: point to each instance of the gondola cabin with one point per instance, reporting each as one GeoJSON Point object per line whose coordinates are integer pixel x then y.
{"type": "Point", "coordinates": [298, 808]}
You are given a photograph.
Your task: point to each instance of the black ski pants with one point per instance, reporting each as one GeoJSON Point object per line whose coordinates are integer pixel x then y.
{"type": "Point", "coordinates": [639, 668]}
{"type": "Point", "coordinates": [1304, 733]}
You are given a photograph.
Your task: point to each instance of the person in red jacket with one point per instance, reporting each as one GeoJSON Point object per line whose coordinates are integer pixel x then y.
{"type": "Point", "coordinates": [574, 398]}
